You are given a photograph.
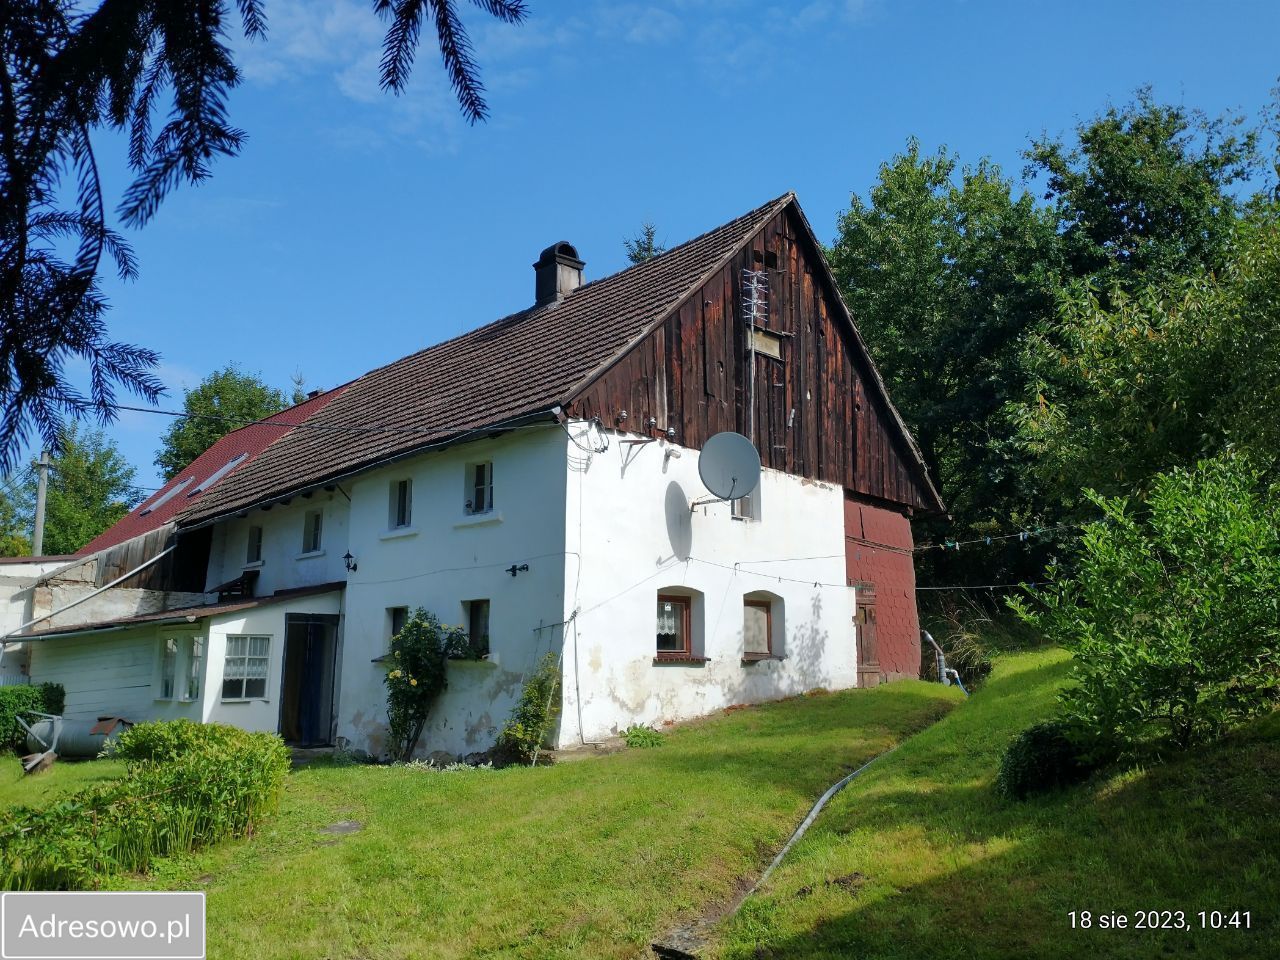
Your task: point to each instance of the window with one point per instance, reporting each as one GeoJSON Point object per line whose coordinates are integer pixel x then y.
{"type": "Point", "coordinates": [477, 612]}
{"type": "Point", "coordinates": [195, 664]}
{"type": "Point", "coordinates": [674, 633]}
{"type": "Point", "coordinates": [401, 507]}
{"type": "Point", "coordinates": [254, 552]}
{"type": "Point", "coordinates": [168, 495]}
{"type": "Point", "coordinates": [168, 667]}
{"type": "Point", "coordinates": [757, 629]}
{"type": "Point", "coordinates": [397, 617]}
{"type": "Point", "coordinates": [312, 526]}
{"type": "Point", "coordinates": [479, 488]}
{"type": "Point", "coordinates": [748, 507]}
{"type": "Point", "coordinates": [245, 674]}
{"type": "Point", "coordinates": [181, 664]}
{"type": "Point", "coordinates": [218, 474]}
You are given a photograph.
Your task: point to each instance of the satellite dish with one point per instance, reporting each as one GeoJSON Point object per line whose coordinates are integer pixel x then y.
{"type": "Point", "coordinates": [729, 466]}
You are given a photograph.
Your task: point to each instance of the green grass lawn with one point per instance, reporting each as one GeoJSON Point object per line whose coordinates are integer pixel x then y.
{"type": "Point", "coordinates": [919, 858]}
{"type": "Point", "coordinates": [585, 859]}
{"type": "Point", "coordinates": [63, 778]}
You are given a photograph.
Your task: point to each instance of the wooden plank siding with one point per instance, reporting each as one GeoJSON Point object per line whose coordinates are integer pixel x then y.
{"type": "Point", "coordinates": [690, 373]}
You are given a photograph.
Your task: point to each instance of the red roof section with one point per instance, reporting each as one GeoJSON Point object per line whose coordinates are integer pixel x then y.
{"type": "Point", "coordinates": [184, 491]}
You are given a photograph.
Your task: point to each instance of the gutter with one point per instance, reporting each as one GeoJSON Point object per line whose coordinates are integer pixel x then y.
{"type": "Point", "coordinates": [499, 427]}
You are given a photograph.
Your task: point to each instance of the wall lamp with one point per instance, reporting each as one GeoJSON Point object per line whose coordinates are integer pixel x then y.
{"type": "Point", "coordinates": [350, 561]}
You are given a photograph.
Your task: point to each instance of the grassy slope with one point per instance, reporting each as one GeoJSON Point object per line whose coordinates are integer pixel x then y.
{"type": "Point", "coordinates": [63, 778]}
{"type": "Point", "coordinates": [586, 859]}
{"type": "Point", "coordinates": [946, 869]}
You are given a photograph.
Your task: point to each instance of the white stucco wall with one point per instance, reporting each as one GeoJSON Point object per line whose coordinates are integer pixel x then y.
{"type": "Point", "coordinates": [283, 565]}
{"type": "Point", "coordinates": [261, 713]}
{"type": "Point", "coordinates": [630, 534]}
{"type": "Point", "coordinates": [446, 558]}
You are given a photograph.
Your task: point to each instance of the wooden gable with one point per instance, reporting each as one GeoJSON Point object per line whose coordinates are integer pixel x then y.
{"type": "Point", "coordinates": [820, 410]}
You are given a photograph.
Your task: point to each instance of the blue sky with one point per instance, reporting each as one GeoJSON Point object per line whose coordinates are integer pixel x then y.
{"type": "Point", "coordinates": [357, 227]}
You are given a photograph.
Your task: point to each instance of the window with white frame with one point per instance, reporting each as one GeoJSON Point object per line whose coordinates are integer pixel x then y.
{"type": "Point", "coordinates": [748, 507]}
{"type": "Point", "coordinates": [195, 667]}
{"type": "Point", "coordinates": [244, 675]}
{"type": "Point", "coordinates": [400, 509]}
{"type": "Point", "coordinates": [181, 667]}
{"type": "Point", "coordinates": [253, 553]}
{"type": "Point", "coordinates": [168, 667]}
{"type": "Point", "coordinates": [312, 530]}
{"type": "Point", "coordinates": [479, 487]}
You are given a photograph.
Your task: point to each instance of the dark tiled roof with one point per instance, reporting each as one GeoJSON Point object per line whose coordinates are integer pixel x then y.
{"type": "Point", "coordinates": [248, 441]}
{"type": "Point", "coordinates": [520, 365]}
{"type": "Point", "coordinates": [184, 613]}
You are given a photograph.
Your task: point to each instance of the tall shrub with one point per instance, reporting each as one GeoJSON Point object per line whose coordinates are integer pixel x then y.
{"type": "Point", "coordinates": [1172, 610]}
{"type": "Point", "coordinates": [535, 713]}
{"type": "Point", "coordinates": [420, 654]}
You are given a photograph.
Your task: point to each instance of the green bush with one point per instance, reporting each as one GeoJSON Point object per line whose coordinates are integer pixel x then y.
{"type": "Point", "coordinates": [641, 736]}
{"type": "Point", "coordinates": [1043, 757]}
{"type": "Point", "coordinates": [535, 712]}
{"type": "Point", "coordinates": [187, 786]}
{"type": "Point", "coordinates": [1171, 612]}
{"type": "Point", "coordinates": [13, 701]}
{"type": "Point", "coordinates": [54, 696]}
{"type": "Point", "coordinates": [420, 655]}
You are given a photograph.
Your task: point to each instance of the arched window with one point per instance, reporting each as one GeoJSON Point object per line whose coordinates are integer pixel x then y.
{"type": "Point", "coordinates": [678, 625]}
{"type": "Point", "coordinates": [762, 626]}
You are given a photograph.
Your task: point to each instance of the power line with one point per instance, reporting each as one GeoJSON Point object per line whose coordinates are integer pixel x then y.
{"type": "Point", "coordinates": [988, 540]}
{"type": "Point", "coordinates": [324, 427]}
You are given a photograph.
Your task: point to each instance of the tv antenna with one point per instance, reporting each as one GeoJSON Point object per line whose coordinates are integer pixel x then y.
{"type": "Point", "coordinates": [729, 466]}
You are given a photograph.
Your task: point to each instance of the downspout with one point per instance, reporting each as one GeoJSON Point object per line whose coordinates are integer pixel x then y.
{"type": "Point", "coordinates": [88, 596]}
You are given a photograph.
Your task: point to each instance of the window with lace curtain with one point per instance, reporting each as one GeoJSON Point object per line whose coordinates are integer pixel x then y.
{"type": "Point", "coordinates": [674, 633]}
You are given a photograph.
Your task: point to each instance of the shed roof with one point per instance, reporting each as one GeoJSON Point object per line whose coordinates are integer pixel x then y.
{"type": "Point", "coordinates": [188, 614]}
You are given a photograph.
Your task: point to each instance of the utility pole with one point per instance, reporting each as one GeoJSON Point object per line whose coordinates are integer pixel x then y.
{"type": "Point", "coordinates": [42, 486]}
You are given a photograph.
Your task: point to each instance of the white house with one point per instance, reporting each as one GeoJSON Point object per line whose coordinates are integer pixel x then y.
{"type": "Point", "coordinates": [536, 481]}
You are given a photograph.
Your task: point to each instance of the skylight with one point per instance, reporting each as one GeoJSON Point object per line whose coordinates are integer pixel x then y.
{"type": "Point", "coordinates": [168, 495]}
{"type": "Point", "coordinates": [218, 474]}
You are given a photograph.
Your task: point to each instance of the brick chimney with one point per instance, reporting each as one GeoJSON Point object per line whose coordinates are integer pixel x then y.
{"type": "Point", "coordinates": [558, 273]}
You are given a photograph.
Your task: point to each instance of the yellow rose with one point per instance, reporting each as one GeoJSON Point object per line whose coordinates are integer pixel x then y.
{"type": "Point", "coordinates": [395, 674]}
{"type": "Point", "coordinates": [413, 683]}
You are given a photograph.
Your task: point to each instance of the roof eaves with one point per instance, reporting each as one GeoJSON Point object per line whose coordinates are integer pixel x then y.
{"type": "Point", "coordinates": [198, 521]}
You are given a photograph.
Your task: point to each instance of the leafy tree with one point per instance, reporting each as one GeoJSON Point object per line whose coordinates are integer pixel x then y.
{"type": "Point", "coordinates": [15, 517]}
{"type": "Point", "coordinates": [644, 246]}
{"type": "Point", "coordinates": [1170, 611]}
{"type": "Point", "coordinates": [91, 486]}
{"type": "Point", "coordinates": [224, 400]}
{"type": "Point", "coordinates": [1161, 378]}
{"type": "Point", "coordinates": [1146, 191]}
{"type": "Point", "coordinates": [945, 270]}
{"type": "Point", "coordinates": [67, 70]}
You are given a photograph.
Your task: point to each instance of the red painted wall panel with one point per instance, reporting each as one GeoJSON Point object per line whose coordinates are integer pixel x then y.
{"type": "Point", "coordinates": [878, 551]}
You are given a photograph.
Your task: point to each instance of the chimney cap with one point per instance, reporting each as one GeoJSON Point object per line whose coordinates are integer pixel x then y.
{"type": "Point", "coordinates": [562, 252]}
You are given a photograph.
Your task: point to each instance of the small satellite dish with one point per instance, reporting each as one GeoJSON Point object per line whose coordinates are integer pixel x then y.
{"type": "Point", "coordinates": [729, 466]}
